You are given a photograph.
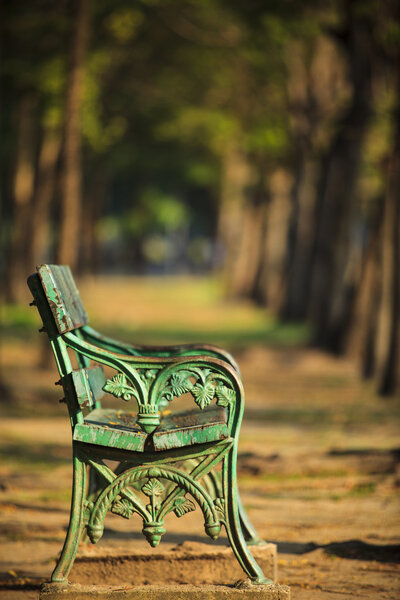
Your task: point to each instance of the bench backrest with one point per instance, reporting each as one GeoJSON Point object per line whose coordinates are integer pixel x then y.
{"type": "Point", "coordinates": [60, 306]}
{"type": "Point", "coordinates": [63, 297]}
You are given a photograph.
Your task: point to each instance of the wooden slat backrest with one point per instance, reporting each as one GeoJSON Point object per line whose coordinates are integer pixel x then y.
{"type": "Point", "coordinates": [63, 297]}
{"type": "Point", "coordinates": [88, 385]}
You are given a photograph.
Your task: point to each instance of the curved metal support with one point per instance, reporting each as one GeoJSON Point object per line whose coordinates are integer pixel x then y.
{"type": "Point", "coordinates": [232, 523]}
{"type": "Point", "coordinates": [179, 350]}
{"type": "Point", "coordinates": [76, 523]}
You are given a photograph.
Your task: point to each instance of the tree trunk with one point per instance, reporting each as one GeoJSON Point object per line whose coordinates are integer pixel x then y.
{"type": "Point", "coordinates": [336, 269]}
{"type": "Point", "coordinates": [269, 282]}
{"type": "Point", "coordinates": [92, 208]}
{"type": "Point", "coordinates": [234, 184]}
{"type": "Point", "coordinates": [315, 85]}
{"type": "Point", "coordinates": [301, 234]}
{"type": "Point", "coordinates": [252, 236]}
{"type": "Point", "coordinates": [279, 213]}
{"type": "Point", "coordinates": [259, 290]}
{"type": "Point", "coordinates": [23, 184]}
{"type": "Point", "coordinates": [44, 194]}
{"type": "Point", "coordinates": [362, 336]}
{"type": "Point", "coordinates": [387, 349]}
{"type": "Point", "coordinates": [250, 247]}
{"type": "Point", "coordinates": [70, 213]}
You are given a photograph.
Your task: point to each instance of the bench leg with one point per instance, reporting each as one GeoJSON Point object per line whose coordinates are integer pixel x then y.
{"type": "Point", "coordinates": [75, 527]}
{"type": "Point", "coordinates": [250, 534]}
{"type": "Point", "coordinates": [233, 525]}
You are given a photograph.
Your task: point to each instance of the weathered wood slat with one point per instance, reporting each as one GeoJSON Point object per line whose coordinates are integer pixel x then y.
{"type": "Point", "coordinates": [191, 427]}
{"type": "Point", "coordinates": [88, 384]}
{"type": "Point", "coordinates": [119, 429]}
{"type": "Point", "coordinates": [63, 297]}
{"type": "Point", "coordinates": [101, 429]}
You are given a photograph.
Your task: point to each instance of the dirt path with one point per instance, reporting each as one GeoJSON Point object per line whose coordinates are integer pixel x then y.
{"type": "Point", "coordinates": [319, 475]}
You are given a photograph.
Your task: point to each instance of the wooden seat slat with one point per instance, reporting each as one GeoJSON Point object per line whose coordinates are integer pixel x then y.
{"type": "Point", "coordinates": [119, 429]}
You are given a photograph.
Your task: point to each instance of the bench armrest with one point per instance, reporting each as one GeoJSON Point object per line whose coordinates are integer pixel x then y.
{"type": "Point", "coordinates": [108, 343]}
{"type": "Point", "coordinates": [154, 381]}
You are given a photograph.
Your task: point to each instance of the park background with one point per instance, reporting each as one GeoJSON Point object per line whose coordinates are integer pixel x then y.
{"type": "Point", "coordinates": [228, 173]}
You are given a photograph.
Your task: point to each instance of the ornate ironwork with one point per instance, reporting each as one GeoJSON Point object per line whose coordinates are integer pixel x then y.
{"type": "Point", "coordinates": [153, 513]}
{"type": "Point", "coordinates": [204, 385]}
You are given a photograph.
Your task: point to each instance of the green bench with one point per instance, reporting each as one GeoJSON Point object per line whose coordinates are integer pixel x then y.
{"type": "Point", "coordinates": [167, 461]}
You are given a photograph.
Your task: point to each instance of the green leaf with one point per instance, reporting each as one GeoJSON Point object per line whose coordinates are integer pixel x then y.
{"type": "Point", "coordinates": [118, 386]}
{"type": "Point", "coordinates": [153, 488]}
{"type": "Point", "coordinates": [183, 505]}
{"type": "Point", "coordinates": [180, 383]}
{"type": "Point", "coordinates": [203, 394]}
{"type": "Point", "coordinates": [225, 396]}
{"type": "Point", "coordinates": [123, 508]}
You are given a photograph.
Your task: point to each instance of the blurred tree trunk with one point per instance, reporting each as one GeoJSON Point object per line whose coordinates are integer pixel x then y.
{"type": "Point", "coordinates": [315, 86]}
{"type": "Point", "coordinates": [249, 248]}
{"type": "Point", "coordinates": [234, 185]}
{"type": "Point", "coordinates": [251, 244]}
{"type": "Point", "coordinates": [41, 214]}
{"type": "Point", "coordinates": [259, 290]}
{"type": "Point", "coordinates": [388, 338]}
{"type": "Point", "coordinates": [279, 216]}
{"type": "Point", "coordinates": [92, 208]}
{"type": "Point", "coordinates": [44, 194]}
{"type": "Point", "coordinates": [274, 217]}
{"type": "Point", "coordinates": [300, 242]}
{"type": "Point", "coordinates": [336, 269]}
{"type": "Point", "coordinates": [362, 337]}
{"type": "Point", "coordinates": [18, 267]}
{"type": "Point", "coordinates": [70, 214]}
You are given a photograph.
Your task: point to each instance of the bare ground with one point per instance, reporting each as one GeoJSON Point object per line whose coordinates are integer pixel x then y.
{"type": "Point", "coordinates": [319, 476]}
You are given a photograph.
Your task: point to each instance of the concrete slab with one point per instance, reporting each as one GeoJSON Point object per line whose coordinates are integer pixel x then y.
{"type": "Point", "coordinates": [188, 563]}
{"type": "Point", "coordinates": [164, 592]}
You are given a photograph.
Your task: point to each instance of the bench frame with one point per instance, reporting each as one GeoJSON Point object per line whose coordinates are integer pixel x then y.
{"type": "Point", "coordinates": [177, 479]}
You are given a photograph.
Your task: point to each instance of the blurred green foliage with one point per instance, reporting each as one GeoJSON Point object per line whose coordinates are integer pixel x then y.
{"type": "Point", "coordinates": [168, 86]}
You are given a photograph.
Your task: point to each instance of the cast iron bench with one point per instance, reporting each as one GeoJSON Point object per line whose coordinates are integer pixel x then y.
{"type": "Point", "coordinates": [166, 461]}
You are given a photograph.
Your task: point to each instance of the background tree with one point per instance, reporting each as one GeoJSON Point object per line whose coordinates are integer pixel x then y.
{"type": "Point", "coordinates": [70, 209]}
{"type": "Point", "coordinates": [256, 140]}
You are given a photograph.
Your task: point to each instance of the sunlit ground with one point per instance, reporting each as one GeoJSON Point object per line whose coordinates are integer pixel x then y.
{"type": "Point", "coordinates": [319, 457]}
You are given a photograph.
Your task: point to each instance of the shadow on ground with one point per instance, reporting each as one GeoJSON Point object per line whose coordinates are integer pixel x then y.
{"type": "Point", "coordinates": [171, 538]}
{"type": "Point", "coordinates": [351, 549]}
{"type": "Point", "coordinates": [36, 454]}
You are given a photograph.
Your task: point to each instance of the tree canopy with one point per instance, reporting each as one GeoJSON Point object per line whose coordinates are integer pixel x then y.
{"type": "Point", "coordinates": [258, 138]}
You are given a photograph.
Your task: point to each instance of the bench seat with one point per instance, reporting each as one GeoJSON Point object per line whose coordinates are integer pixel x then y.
{"type": "Point", "coordinates": [119, 429]}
